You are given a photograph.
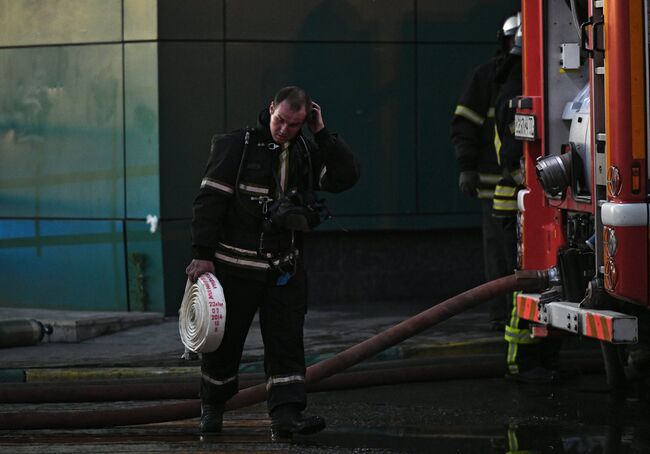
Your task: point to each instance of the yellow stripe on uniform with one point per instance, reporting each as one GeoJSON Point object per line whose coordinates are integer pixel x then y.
{"type": "Point", "coordinates": [511, 359]}
{"type": "Point", "coordinates": [284, 167]}
{"type": "Point", "coordinates": [505, 205]}
{"type": "Point", "coordinates": [516, 336]}
{"type": "Point", "coordinates": [513, 442]}
{"type": "Point", "coordinates": [469, 114]}
{"type": "Point", "coordinates": [489, 178]}
{"type": "Point", "coordinates": [485, 193]}
{"type": "Point", "coordinates": [497, 144]}
{"type": "Point", "coordinates": [504, 191]}
{"type": "Point", "coordinates": [519, 336]}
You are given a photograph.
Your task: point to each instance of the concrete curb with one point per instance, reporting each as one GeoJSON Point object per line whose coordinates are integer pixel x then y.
{"type": "Point", "coordinates": [75, 326]}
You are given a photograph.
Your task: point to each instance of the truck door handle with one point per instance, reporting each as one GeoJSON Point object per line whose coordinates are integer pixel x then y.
{"type": "Point", "coordinates": [594, 35]}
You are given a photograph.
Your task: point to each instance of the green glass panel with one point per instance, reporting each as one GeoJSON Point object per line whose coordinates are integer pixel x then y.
{"type": "Point", "coordinates": [30, 22]}
{"type": "Point", "coordinates": [140, 20]}
{"type": "Point", "coordinates": [437, 166]}
{"type": "Point", "coordinates": [75, 265]}
{"type": "Point", "coordinates": [352, 20]}
{"type": "Point", "coordinates": [145, 265]}
{"type": "Point", "coordinates": [142, 129]}
{"type": "Point", "coordinates": [191, 112]}
{"type": "Point", "coordinates": [462, 20]}
{"type": "Point", "coordinates": [61, 132]}
{"type": "Point", "coordinates": [368, 95]}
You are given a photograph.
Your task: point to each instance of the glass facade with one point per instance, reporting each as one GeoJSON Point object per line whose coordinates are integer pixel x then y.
{"type": "Point", "coordinates": [36, 23]}
{"type": "Point", "coordinates": [62, 264]}
{"type": "Point", "coordinates": [141, 128]}
{"type": "Point", "coordinates": [107, 108]}
{"type": "Point", "coordinates": [62, 132]}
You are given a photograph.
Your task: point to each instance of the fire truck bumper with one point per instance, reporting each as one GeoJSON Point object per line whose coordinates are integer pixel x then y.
{"type": "Point", "coordinates": [604, 325]}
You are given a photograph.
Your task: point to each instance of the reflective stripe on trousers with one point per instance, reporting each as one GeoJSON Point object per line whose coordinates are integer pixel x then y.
{"type": "Point", "coordinates": [515, 336]}
{"type": "Point", "coordinates": [278, 380]}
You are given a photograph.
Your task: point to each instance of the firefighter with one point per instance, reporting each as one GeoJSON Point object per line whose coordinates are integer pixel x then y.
{"type": "Point", "coordinates": [472, 133]}
{"type": "Point", "coordinates": [529, 360]}
{"type": "Point", "coordinates": [255, 201]}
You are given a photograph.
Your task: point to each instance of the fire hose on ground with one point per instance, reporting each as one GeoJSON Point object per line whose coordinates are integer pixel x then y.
{"type": "Point", "coordinates": [373, 374]}
{"type": "Point", "coordinates": [527, 280]}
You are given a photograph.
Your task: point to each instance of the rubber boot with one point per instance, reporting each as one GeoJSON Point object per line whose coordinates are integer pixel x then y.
{"type": "Point", "coordinates": [211, 417]}
{"type": "Point", "coordinates": [287, 420]}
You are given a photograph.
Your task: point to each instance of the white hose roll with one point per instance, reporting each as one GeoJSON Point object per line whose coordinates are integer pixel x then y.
{"type": "Point", "coordinates": [202, 316]}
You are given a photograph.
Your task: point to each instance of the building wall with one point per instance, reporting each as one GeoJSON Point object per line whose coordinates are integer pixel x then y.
{"type": "Point", "coordinates": [107, 108]}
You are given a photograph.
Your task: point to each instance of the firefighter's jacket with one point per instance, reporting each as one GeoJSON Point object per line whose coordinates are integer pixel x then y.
{"type": "Point", "coordinates": [228, 224]}
{"type": "Point", "coordinates": [508, 148]}
{"type": "Point", "coordinates": [472, 128]}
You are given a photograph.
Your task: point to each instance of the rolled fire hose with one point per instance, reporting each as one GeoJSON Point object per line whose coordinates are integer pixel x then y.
{"type": "Point", "coordinates": [522, 280]}
{"type": "Point", "coordinates": [202, 316]}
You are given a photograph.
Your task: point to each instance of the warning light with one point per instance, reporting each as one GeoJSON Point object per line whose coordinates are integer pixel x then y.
{"type": "Point", "coordinates": [611, 243]}
{"type": "Point", "coordinates": [614, 181]}
{"type": "Point", "coordinates": [611, 275]}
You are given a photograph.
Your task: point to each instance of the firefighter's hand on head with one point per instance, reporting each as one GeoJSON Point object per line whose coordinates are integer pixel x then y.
{"type": "Point", "coordinates": [468, 183]}
{"type": "Point", "coordinates": [197, 268]}
{"type": "Point", "coordinates": [315, 118]}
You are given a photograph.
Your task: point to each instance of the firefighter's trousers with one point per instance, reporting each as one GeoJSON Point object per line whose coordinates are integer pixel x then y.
{"type": "Point", "coordinates": [281, 314]}
{"type": "Point", "coordinates": [499, 257]}
{"type": "Point", "coordinates": [524, 351]}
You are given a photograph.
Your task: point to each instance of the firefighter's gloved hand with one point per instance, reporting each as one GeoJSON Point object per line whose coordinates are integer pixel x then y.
{"type": "Point", "coordinates": [468, 182]}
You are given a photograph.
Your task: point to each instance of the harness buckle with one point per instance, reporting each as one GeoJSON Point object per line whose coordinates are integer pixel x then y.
{"type": "Point", "coordinates": [263, 200]}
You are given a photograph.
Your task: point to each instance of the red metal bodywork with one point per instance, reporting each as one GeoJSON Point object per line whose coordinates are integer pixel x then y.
{"type": "Point", "coordinates": [542, 222]}
{"type": "Point", "coordinates": [541, 226]}
{"type": "Point", "coordinates": [625, 98]}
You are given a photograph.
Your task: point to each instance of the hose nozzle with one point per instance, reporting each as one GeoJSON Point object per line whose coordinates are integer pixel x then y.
{"type": "Point", "coordinates": [537, 280]}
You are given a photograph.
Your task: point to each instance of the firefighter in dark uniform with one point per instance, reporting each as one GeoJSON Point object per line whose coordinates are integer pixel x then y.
{"type": "Point", "coordinates": [256, 200]}
{"type": "Point", "coordinates": [529, 360]}
{"type": "Point", "coordinates": [472, 133]}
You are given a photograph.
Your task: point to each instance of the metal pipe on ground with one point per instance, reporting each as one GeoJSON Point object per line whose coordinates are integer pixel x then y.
{"type": "Point", "coordinates": [522, 280]}
{"type": "Point", "coordinates": [22, 332]}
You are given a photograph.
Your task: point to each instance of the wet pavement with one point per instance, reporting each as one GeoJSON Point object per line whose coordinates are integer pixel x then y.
{"type": "Point", "coordinates": [327, 331]}
{"type": "Point", "coordinates": [484, 416]}
{"type": "Point", "coordinates": [458, 416]}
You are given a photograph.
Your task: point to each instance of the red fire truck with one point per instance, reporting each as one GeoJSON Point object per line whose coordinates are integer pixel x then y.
{"type": "Point", "coordinates": [584, 214]}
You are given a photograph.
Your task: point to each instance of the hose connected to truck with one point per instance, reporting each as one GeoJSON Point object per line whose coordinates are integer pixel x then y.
{"type": "Point", "coordinates": [528, 280]}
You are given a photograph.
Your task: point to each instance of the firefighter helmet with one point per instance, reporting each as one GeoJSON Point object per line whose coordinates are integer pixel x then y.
{"type": "Point", "coordinates": [510, 25]}
{"type": "Point", "coordinates": [506, 33]}
{"type": "Point", "coordinates": [516, 47]}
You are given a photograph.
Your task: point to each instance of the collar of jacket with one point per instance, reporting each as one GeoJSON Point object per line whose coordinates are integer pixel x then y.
{"type": "Point", "coordinates": [264, 129]}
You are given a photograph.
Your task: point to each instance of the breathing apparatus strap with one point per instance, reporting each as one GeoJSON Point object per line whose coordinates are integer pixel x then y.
{"type": "Point", "coordinates": [247, 139]}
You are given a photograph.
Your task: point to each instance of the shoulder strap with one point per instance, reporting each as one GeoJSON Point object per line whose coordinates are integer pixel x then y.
{"type": "Point", "coordinates": [310, 173]}
{"type": "Point", "coordinates": [247, 139]}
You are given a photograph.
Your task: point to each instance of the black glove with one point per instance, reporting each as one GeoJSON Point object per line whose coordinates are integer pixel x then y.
{"type": "Point", "coordinates": [468, 182]}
